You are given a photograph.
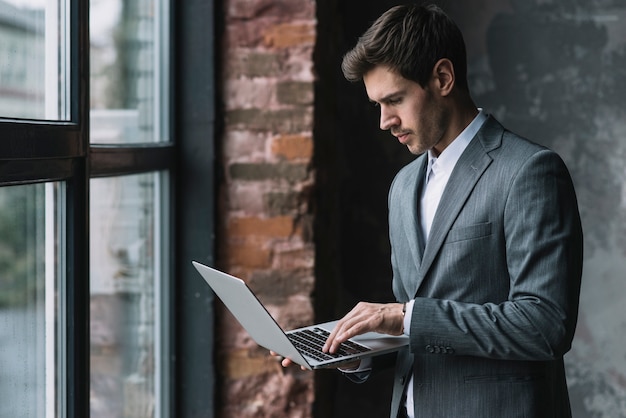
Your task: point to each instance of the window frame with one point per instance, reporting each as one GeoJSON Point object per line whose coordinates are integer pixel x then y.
{"type": "Point", "coordinates": [195, 125]}
{"type": "Point", "coordinates": [33, 151]}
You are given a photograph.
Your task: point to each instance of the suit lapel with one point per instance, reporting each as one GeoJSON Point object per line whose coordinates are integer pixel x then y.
{"type": "Point", "coordinates": [468, 170]}
{"type": "Point", "coordinates": [411, 223]}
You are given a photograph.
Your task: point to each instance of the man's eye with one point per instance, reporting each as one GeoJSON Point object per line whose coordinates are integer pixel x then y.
{"type": "Point", "coordinates": [394, 101]}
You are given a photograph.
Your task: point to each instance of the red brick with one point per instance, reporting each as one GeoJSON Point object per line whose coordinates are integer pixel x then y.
{"type": "Point", "coordinates": [286, 9]}
{"type": "Point", "coordinates": [277, 227]}
{"type": "Point", "coordinates": [242, 364]}
{"type": "Point", "coordinates": [285, 35]}
{"type": "Point", "coordinates": [293, 146]}
{"type": "Point", "coordinates": [248, 254]}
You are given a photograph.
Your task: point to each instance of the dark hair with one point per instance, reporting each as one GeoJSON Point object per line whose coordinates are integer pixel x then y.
{"type": "Point", "coordinates": [409, 39]}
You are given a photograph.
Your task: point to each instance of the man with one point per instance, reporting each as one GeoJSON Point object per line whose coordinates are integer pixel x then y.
{"type": "Point", "coordinates": [485, 235]}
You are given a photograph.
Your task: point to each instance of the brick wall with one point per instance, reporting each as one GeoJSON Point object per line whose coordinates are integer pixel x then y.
{"type": "Point", "coordinates": [265, 224]}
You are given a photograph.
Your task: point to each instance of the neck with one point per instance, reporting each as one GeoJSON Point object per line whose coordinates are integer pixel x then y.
{"type": "Point", "coordinates": [461, 113]}
{"type": "Point", "coordinates": [465, 111]}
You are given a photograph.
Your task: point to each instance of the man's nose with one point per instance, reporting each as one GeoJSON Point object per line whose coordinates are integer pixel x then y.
{"type": "Point", "coordinates": [387, 119]}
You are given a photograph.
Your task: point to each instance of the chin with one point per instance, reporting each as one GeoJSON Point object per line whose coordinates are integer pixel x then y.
{"type": "Point", "coordinates": [415, 150]}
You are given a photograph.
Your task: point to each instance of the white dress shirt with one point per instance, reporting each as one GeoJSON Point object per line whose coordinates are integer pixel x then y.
{"type": "Point", "coordinates": [438, 173]}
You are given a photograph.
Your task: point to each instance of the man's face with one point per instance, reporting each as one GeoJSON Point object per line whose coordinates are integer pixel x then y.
{"type": "Point", "coordinates": [413, 114]}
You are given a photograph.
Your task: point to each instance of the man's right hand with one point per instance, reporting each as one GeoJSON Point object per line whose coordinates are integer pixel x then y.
{"type": "Point", "coordinates": [385, 318]}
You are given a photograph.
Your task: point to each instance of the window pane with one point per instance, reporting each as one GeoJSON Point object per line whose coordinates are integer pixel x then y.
{"type": "Point", "coordinates": [127, 315]}
{"type": "Point", "coordinates": [129, 45]}
{"type": "Point", "coordinates": [33, 54]}
{"type": "Point", "coordinates": [30, 307]}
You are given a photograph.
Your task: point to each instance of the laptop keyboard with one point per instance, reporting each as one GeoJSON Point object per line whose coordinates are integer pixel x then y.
{"type": "Point", "coordinates": [311, 340]}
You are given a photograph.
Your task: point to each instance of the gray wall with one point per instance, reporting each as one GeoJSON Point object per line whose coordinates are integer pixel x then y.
{"type": "Point", "coordinates": [548, 70]}
{"type": "Point", "coordinates": [557, 74]}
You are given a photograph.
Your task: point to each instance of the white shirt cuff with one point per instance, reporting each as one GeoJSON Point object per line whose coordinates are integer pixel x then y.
{"type": "Point", "coordinates": [407, 316]}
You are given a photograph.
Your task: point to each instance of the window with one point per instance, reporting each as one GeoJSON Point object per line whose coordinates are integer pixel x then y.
{"type": "Point", "coordinates": [30, 304]}
{"type": "Point", "coordinates": [128, 275]}
{"type": "Point", "coordinates": [92, 211]}
{"type": "Point", "coordinates": [33, 59]}
{"type": "Point", "coordinates": [128, 270]}
{"type": "Point", "coordinates": [129, 71]}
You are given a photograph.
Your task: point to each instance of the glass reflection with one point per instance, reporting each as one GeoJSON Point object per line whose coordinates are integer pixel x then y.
{"type": "Point", "coordinates": [29, 306]}
{"type": "Point", "coordinates": [124, 302]}
{"type": "Point", "coordinates": [128, 46]}
{"type": "Point", "coordinates": [33, 57]}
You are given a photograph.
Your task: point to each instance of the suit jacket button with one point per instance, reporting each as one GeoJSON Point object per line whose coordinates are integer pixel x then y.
{"type": "Point", "coordinates": [449, 350]}
{"type": "Point", "coordinates": [437, 349]}
{"type": "Point", "coordinates": [430, 349]}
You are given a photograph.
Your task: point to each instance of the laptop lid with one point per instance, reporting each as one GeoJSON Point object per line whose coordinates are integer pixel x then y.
{"type": "Point", "coordinates": [256, 320]}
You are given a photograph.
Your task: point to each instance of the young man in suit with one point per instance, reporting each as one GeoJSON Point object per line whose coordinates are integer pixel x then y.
{"type": "Point", "coordinates": [485, 234]}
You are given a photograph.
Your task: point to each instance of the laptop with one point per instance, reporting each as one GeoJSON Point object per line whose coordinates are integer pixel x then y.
{"type": "Point", "coordinates": [302, 345]}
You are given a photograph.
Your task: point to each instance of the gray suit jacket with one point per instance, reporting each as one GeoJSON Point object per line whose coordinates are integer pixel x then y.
{"type": "Point", "coordinates": [496, 286]}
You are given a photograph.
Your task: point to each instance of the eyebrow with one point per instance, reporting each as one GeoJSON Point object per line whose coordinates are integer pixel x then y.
{"type": "Point", "coordinates": [389, 97]}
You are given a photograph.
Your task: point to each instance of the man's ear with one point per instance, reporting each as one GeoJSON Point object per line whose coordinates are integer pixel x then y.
{"type": "Point", "coordinates": [443, 75]}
